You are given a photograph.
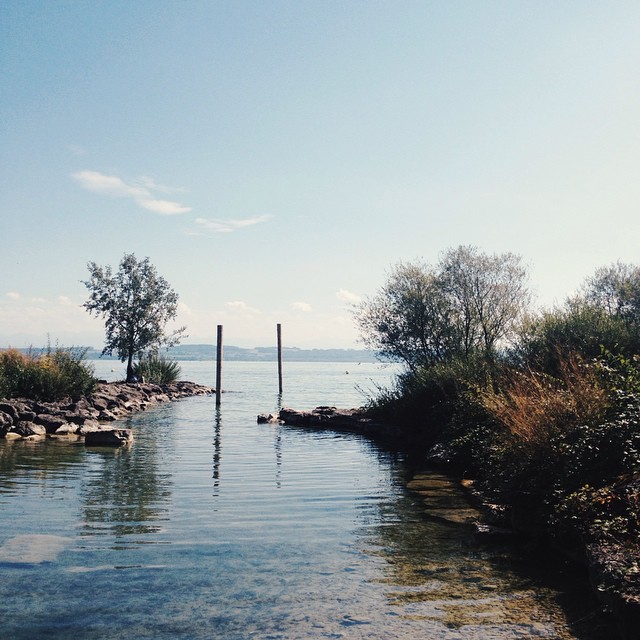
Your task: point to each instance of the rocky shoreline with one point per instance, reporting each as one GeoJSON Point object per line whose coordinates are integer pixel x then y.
{"type": "Point", "coordinates": [91, 417]}
{"type": "Point", "coordinates": [614, 572]}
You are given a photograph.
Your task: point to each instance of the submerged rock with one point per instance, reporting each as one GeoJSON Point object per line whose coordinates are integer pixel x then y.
{"type": "Point", "coordinates": [109, 438]}
{"type": "Point", "coordinates": [268, 418]}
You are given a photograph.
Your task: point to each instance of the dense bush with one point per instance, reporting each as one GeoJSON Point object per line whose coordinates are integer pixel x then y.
{"type": "Point", "coordinates": [49, 375]}
{"type": "Point", "coordinates": [579, 327]}
{"type": "Point", "coordinates": [156, 369]}
{"type": "Point", "coordinates": [429, 398]}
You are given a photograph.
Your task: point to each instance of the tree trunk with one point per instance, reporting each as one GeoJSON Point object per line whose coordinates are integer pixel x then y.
{"type": "Point", "coordinates": [130, 367]}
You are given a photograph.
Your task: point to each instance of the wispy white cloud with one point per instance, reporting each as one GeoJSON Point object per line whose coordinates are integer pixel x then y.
{"type": "Point", "coordinates": [216, 225]}
{"type": "Point", "coordinates": [164, 207]}
{"type": "Point", "coordinates": [142, 191]}
{"type": "Point", "coordinates": [12, 295]}
{"type": "Point", "coordinates": [108, 185]}
{"type": "Point", "coordinates": [305, 307]}
{"type": "Point", "coordinates": [152, 185]}
{"type": "Point", "coordinates": [348, 296]}
{"type": "Point", "coordinates": [242, 308]}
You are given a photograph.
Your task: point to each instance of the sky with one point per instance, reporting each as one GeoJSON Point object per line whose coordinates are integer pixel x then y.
{"type": "Point", "coordinates": [275, 159]}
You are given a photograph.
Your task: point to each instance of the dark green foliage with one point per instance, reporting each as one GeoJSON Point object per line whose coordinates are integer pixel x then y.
{"type": "Point", "coordinates": [52, 374]}
{"type": "Point", "coordinates": [433, 399]}
{"type": "Point", "coordinates": [157, 369]}
{"type": "Point", "coordinates": [611, 512]}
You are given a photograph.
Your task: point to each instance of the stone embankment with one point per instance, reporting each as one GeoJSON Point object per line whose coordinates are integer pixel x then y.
{"type": "Point", "coordinates": [33, 420]}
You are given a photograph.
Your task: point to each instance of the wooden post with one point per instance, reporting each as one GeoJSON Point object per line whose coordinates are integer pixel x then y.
{"type": "Point", "coordinates": [219, 366]}
{"type": "Point", "coordinates": [279, 331]}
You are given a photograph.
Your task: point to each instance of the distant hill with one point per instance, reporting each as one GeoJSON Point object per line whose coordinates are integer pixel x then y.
{"type": "Point", "coordinates": [257, 354]}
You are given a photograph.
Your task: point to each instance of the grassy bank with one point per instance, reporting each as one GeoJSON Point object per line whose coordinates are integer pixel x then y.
{"type": "Point", "coordinates": [49, 374]}
{"type": "Point", "coordinates": [52, 374]}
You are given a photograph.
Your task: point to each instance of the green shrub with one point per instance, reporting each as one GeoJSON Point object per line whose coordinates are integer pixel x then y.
{"type": "Point", "coordinates": [50, 375]}
{"type": "Point", "coordinates": [432, 400]}
{"type": "Point", "coordinates": [157, 369]}
{"type": "Point", "coordinates": [606, 513]}
{"type": "Point", "coordinates": [578, 327]}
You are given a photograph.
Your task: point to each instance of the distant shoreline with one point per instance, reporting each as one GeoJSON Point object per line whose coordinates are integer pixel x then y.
{"type": "Point", "coordinates": [256, 354]}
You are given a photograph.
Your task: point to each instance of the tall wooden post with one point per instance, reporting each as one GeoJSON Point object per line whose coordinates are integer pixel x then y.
{"type": "Point", "coordinates": [279, 331]}
{"type": "Point", "coordinates": [219, 366]}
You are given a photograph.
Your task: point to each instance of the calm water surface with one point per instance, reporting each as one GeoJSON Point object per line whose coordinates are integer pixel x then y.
{"type": "Point", "coordinates": [211, 526]}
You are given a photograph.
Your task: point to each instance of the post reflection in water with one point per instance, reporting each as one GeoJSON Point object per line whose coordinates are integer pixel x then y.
{"type": "Point", "coordinates": [277, 447]}
{"type": "Point", "coordinates": [217, 449]}
{"type": "Point", "coordinates": [277, 444]}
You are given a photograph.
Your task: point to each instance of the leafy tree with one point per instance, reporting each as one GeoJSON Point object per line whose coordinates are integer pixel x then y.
{"type": "Point", "coordinates": [578, 327]}
{"type": "Point", "coordinates": [487, 293]}
{"type": "Point", "coordinates": [616, 289]}
{"type": "Point", "coordinates": [604, 315]}
{"type": "Point", "coordinates": [136, 304]}
{"type": "Point", "coordinates": [408, 320]}
{"type": "Point", "coordinates": [466, 305]}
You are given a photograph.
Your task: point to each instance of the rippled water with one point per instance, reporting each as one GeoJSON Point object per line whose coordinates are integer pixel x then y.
{"type": "Point", "coordinates": [211, 526]}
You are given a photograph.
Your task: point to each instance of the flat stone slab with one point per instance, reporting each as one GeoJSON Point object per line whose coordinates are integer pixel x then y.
{"type": "Point", "coordinates": [32, 549]}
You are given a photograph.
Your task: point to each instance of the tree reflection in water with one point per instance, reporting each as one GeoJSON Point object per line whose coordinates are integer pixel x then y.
{"type": "Point", "coordinates": [44, 461]}
{"type": "Point", "coordinates": [128, 489]}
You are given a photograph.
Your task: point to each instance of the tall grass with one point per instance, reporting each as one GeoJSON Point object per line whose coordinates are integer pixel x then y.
{"type": "Point", "coordinates": [570, 443]}
{"type": "Point", "coordinates": [534, 407]}
{"type": "Point", "coordinates": [49, 375]}
{"type": "Point", "coordinates": [157, 369]}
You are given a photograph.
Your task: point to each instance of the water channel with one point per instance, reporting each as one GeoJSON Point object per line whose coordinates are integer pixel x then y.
{"type": "Point", "coordinates": [211, 526]}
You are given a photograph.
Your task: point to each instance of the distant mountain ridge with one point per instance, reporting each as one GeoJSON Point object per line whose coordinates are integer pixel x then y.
{"type": "Point", "coordinates": [258, 354]}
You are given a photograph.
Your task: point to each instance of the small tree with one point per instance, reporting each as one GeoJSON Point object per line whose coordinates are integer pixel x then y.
{"type": "Point", "coordinates": [136, 304]}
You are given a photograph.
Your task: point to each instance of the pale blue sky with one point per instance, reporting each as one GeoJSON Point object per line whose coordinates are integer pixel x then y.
{"type": "Point", "coordinates": [274, 159]}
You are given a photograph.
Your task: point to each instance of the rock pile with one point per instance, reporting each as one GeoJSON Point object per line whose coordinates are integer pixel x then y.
{"type": "Point", "coordinates": [351, 420]}
{"type": "Point", "coordinates": [33, 420]}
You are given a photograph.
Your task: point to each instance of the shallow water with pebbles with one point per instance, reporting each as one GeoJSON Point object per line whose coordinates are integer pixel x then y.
{"type": "Point", "coordinates": [211, 526]}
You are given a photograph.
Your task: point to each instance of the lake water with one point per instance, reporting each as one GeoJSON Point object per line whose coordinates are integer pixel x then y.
{"type": "Point", "coordinates": [211, 526]}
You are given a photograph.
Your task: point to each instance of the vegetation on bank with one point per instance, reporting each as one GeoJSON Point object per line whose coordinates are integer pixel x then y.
{"type": "Point", "coordinates": [48, 375]}
{"type": "Point", "coordinates": [53, 374]}
{"type": "Point", "coordinates": [156, 369]}
{"type": "Point", "coordinates": [544, 414]}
